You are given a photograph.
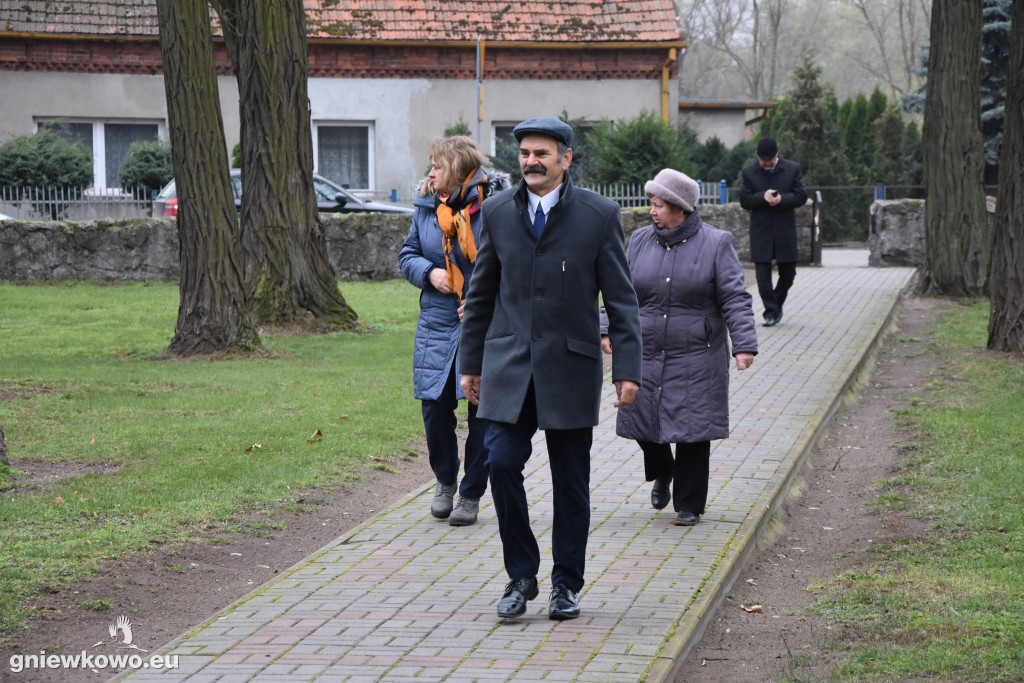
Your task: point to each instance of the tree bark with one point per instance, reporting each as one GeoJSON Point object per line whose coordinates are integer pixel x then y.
{"type": "Point", "coordinates": [288, 277]}
{"type": "Point", "coordinates": [212, 312]}
{"type": "Point", "coordinates": [1006, 319]}
{"type": "Point", "coordinates": [956, 235]}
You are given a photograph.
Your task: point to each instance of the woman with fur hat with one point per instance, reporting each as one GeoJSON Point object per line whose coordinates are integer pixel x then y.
{"type": "Point", "coordinates": [438, 257]}
{"type": "Point", "coordinates": [691, 290]}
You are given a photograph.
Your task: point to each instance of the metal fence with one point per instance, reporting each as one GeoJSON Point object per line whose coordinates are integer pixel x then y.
{"type": "Point", "coordinates": [73, 204]}
{"type": "Point", "coordinates": [626, 194]}
{"type": "Point", "coordinates": [633, 195]}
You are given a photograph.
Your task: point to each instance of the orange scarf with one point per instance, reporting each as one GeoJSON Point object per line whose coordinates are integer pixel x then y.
{"type": "Point", "coordinates": [456, 224]}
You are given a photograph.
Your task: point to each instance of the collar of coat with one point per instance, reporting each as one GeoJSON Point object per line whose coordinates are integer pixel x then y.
{"type": "Point", "coordinates": [684, 231]}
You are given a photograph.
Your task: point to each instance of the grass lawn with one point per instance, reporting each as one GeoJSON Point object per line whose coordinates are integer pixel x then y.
{"type": "Point", "coordinates": [184, 445]}
{"type": "Point", "coordinates": [949, 605]}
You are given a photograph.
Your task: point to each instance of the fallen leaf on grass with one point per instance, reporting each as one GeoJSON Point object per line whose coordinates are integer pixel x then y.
{"type": "Point", "coordinates": [752, 608]}
{"type": "Point", "coordinates": [315, 436]}
{"type": "Point", "coordinates": [253, 447]}
{"type": "Point", "coordinates": [59, 500]}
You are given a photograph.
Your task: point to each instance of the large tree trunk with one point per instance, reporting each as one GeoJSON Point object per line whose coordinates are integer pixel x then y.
{"type": "Point", "coordinates": [288, 276]}
{"type": "Point", "coordinates": [212, 315]}
{"type": "Point", "coordinates": [1006, 321]}
{"type": "Point", "coordinates": [956, 235]}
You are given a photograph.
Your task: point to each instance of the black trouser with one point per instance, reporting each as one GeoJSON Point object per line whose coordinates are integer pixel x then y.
{"type": "Point", "coordinates": [689, 471]}
{"type": "Point", "coordinates": [440, 423]}
{"type": "Point", "coordinates": [509, 446]}
{"type": "Point", "coordinates": [774, 297]}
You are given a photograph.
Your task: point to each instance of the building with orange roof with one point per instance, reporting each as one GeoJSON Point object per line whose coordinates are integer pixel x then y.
{"type": "Point", "coordinates": [385, 76]}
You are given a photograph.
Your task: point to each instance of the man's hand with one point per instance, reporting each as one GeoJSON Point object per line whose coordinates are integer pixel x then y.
{"type": "Point", "coordinates": [624, 390]}
{"type": "Point", "coordinates": [606, 344]}
{"type": "Point", "coordinates": [471, 387]}
{"type": "Point", "coordinates": [462, 308]}
{"type": "Point", "coordinates": [439, 278]}
{"type": "Point", "coordinates": [772, 197]}
{"type": "Point", "coordinates": [744, 360]}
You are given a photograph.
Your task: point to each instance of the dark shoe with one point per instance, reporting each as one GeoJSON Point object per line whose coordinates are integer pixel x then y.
{"type": "Point", "coordinates": [564, 603]}
{"type": "Point", "coordinates": [444, 494]}
{"type": "Point", "coordinates": [517, 592]}
{"type": "Point", "coordinates": [778, 317]}
{"type": "Point", "coordinates": [661, 493]}
{"type": "Point", "coordinates": [686, 518]}
{"type": "Point", "coordinates": [464, 513]}
{"type": "Point", "coordinates": [770, 320]}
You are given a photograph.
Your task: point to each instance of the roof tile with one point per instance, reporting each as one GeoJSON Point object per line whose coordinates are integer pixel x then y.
{"type": "Point", "coordinates": [543, 21]}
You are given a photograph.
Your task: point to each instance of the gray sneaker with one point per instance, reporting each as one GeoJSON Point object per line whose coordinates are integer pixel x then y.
{"type": "Point", "coordinates": [443, 496]}
{"type": "Point", "coordinates": [465, 512]}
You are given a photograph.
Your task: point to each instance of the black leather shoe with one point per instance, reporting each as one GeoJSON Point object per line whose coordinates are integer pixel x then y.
{"type": "Point", "coordinates": [517, 592]}
{"type": "Point", "coordinates": [564, 603]}
{"type": "Point", "coordinates": [770, 320]}
{"type": "Point", "coordinates": [686, 518]}
{"type": "Point", "coordinates": [778, 317]}
{"type": "Point", "coordinates": [661, 493]}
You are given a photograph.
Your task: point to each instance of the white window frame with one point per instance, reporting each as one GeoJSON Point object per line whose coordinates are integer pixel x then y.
{"type": "Point", "coordinates": [99, 140]}
{"type": "Point", "coordinates": [371, 172]}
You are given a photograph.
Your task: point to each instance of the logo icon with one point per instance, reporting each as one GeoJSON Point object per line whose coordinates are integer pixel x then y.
{"type": "Point", "coordinates": [124, 627]}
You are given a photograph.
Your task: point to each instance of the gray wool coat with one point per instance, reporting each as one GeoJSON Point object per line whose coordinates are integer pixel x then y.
{"type": "Point", "coordinates": [532, 311]}
{"type": "Point", "coordinates": [691, 290]}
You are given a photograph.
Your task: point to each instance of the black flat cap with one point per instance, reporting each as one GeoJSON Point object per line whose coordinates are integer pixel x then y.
{"type": "Point", "coordinates": [545, 125]}
{"type": "Point", "coordinates": [767, 149]}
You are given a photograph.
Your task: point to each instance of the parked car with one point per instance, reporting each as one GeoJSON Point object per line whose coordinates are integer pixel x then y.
{"type": "Point", "coordinates": [330, 198]}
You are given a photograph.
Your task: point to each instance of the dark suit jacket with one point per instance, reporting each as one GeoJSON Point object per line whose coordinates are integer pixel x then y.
{"type": "Point", "coordinates": [773, 228]}
{"type": "Point", "coordinates": [532, 309]}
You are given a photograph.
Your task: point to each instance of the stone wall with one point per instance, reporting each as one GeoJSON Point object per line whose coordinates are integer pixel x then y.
{"type": "Point", "coordinates": [359, 246]}
{"type": "Point", "coordinates": [896, 235]}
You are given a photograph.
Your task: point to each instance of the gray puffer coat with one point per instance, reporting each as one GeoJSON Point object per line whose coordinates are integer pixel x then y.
{"type": "Point", "coordinates": [691, 290]}
{"type": "Point", "coordinates": [438, 328]}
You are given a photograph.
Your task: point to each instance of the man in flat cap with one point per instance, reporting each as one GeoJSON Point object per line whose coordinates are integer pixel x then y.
{"type": "Point", "coordinates": [530, 353]}
{"type": "Point", "coordinates": [771, 190]}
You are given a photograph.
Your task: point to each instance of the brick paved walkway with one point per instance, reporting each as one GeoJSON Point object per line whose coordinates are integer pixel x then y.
{"type": "Point", "coordinates": [405, 597]}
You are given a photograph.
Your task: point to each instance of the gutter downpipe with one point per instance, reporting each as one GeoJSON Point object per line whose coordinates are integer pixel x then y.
{"type": "Point", "coordinates": [479, 89]}
{"type": "Point", "coordinates": [666, 69]}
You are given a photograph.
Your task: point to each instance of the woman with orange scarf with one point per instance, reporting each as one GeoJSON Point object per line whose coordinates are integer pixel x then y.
{"type": "Point", "coordinates": [438, 257]}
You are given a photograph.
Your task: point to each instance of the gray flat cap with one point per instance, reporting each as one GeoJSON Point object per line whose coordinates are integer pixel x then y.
{"type": "Point", "coordinates": [545, 125]}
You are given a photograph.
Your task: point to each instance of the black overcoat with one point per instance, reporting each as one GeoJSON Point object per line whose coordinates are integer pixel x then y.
{"type": "Point", "coordinates": [773, 228]}
{"type": "Point", "coordinates": [532, 310]}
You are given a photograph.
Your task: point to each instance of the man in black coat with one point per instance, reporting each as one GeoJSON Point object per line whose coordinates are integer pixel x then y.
{"type": "Point", "coordinates": [530, 352]}
{"type": "Point", "coordinates": [771, 190]}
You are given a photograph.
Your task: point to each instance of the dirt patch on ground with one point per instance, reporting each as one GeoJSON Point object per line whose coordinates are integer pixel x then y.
{"type": "Point", "coordinates": [824, 529]}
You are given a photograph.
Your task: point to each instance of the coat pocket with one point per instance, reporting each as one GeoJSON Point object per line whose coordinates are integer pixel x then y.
{"type": "Point", "coordinates": [584, 348]}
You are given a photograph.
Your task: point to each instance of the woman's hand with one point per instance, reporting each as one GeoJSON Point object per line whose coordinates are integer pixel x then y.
{"type": "Point", "coordinates": [606, 344]}
{"type": "Point", "coordinates": [744, 360]}
{"type": "Point", "coordinates": [439, 278]}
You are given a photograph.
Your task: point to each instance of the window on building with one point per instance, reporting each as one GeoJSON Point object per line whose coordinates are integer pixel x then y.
{"type": "Point", "coordinates": [107, 141]}
{"type": "Point", "coordinates": [344, 153]}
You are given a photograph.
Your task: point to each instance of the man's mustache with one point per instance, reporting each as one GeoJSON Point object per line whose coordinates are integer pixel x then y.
{"type": "Point", "coordinates": [535, 169]}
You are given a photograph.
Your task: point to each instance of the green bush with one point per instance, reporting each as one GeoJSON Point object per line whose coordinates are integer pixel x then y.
{"type": "Point", "coordinates": [147, 165]}
{"type": "Point", "coordinates": [46, 159]}
{"type": "Point", "coordinates": [633, 151]}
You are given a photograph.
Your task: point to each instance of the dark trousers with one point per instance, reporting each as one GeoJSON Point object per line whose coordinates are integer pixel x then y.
{"type": "Point", "coordinates": [689, 471]}
{"type": "Point", "coordinates": [774, 297]}
{"type": "Point", "coordinates": [509, 446]}
{"type": "Point", "coordinates": [439, 423]}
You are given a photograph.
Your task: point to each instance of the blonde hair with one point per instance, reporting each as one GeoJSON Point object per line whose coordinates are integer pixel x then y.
{"type": "Point", "coordinates": [457, 155]}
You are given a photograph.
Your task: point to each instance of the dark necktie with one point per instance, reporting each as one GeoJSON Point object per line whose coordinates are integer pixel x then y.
{"type": "Point", "coordinates": [538, 221]}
